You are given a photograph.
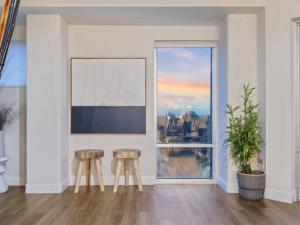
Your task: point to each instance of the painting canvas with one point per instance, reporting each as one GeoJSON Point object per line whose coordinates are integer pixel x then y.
{"type": "Point", "coordinates": [108, 96]}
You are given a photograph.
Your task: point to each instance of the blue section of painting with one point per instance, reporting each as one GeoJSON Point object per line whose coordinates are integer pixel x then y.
{"type": "Point", "coordinates": [107, 119]}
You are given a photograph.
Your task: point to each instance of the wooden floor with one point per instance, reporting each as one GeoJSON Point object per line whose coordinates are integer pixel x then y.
{"type": "Point", "coordinates": [163, 205]}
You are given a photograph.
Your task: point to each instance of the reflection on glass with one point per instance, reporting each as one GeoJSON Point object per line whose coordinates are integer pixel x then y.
{"type": "Point", "coordinates": [184, 95]}
{"type": "Point", "coordinates": [184, 163]}
{"type": "Point", "coordinates": [187, 128]}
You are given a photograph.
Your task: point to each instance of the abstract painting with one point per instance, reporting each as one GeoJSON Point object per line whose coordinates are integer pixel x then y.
{"type": "Point", "coordinates": [108, 96]}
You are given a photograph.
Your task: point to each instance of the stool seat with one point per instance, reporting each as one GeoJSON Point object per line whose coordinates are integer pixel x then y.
{"type": "Point", "coordinates": [127, 154]}
{"type": "Point", "coordinates": [89, 154]}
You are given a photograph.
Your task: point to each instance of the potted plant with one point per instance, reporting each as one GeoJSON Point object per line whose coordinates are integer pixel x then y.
{"type": "Point", "coordinates": [6, 117]}
{"type": "Point", "coordinates": [244, 141]}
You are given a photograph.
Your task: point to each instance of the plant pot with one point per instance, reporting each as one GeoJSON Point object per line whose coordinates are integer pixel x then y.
{"type": "Point", "coordinates": [252, 186]}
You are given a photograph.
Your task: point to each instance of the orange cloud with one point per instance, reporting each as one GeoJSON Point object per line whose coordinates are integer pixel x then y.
{"type": "Point", "coordinates": [178, 87]}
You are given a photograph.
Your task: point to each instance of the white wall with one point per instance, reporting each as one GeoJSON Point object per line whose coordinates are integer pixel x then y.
{"type": "Point", "coordinates": [238, 65]}
{"type": "Point", "coordinates": [127, 41]}
{"type": "Point", "coordinates": [274, 89]}
{"type": "Point", "coordinates": [242, 63]}
{"type": "Point", "coordinates": [222, 101]}
{"type": "Point", "coordinates": [19, 33]}
{"type": "Point", "coordinates": [279, 78]}
{"type": "Point", "coordinates": [261, 81]}
{"type": "Point", "coordinates": [47, 116]}
{"type": "Point", "coordinates": [64, 98]}
{"type": "Point", "coordinates": [275, 79]}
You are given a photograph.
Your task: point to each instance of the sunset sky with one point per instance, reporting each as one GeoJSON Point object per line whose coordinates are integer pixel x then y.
{"type": "Point", "coordinates": [183, 80]}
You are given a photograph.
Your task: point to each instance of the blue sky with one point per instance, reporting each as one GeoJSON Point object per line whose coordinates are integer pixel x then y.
{"type": "Point", "coordinates": [184, 76]}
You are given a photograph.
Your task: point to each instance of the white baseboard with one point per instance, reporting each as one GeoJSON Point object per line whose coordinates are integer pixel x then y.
{"type": "Point", "coordinates": [276, 195]}
{"type": "Point", "coordinates": [60, 187]}
{"type": "Point", "coordinates": [43, 188]}
{"type": "Point", "coordinates": [65, 184]}
{"type": "Point", "coordinates": [296, 195]}
{"type": "Point", "coordinates": [185, 181]}
{"type": "Point", "coordinates": [146, 180]}
{"type": "Point", "coordinates": [15, 181]}
{"type": "Point", "coordinates": [46, 188]}
{"type": "Point", "coordinates": [226, 186]}
{"type": "Point", "coordinates": [281, 196]}
{"type": "Point", "coordinates": [222, 183]}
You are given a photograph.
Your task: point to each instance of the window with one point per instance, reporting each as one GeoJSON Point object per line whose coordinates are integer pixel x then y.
{"type": "Point", "coordinates": [15, 69]}
{"type": "Point", "coordinates": [184, 112]}
{"type": "Point", "coordinates": [184, 163]}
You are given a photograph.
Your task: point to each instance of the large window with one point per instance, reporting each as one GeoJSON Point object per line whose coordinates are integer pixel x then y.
{"type": "Point", "coordinates": [15, 69]}
{"type": "Point", "coordinates": [184, 112]}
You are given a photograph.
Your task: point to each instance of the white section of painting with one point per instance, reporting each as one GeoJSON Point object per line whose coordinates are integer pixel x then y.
{"type": "Point", "coordinates": [108, 82]}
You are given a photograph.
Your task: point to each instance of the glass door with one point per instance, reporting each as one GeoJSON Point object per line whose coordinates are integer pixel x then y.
{"type": "Point", "coordinates": [184, 112]}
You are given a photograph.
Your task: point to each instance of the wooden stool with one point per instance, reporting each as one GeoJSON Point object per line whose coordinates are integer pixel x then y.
{"type": "Point", "coordinates": [124, 156]}
{"type": "Point", "coordinates": [92, 159]}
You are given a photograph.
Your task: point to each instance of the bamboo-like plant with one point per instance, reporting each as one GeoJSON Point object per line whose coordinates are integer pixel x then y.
{"type": "Point", "coordinates": [244, 135]}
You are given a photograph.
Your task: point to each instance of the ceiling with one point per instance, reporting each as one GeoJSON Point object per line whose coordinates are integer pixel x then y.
{"type": "Point", "coordinates": [139, 15]}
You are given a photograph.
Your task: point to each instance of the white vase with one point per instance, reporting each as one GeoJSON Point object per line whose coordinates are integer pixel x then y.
{"type": "Point", "coordinates": [3, 160]}
{"type": "Point", "coordinates": [2, 149]}
{"type": "Point", "coordinates": [3, 184]}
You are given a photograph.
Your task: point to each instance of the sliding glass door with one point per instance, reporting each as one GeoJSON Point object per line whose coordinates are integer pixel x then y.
{"type": "Point", "coordinates": [184, 112]}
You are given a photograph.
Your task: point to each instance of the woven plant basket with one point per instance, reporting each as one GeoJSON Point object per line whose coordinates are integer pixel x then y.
{"type": "Point", "coordinates": [252, 186]}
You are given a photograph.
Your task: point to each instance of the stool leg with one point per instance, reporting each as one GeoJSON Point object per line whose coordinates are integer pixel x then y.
{"type": "Point", "coordinates": [138, 173]}
{"type": "Point", "coordinates": [93, 169]}
{"type": "Point", "coordinates": [88, 172]}
{"type": "Point", "coordinates": [99, 173]}
{"type": "Point", "coordinates": [118, 173]}
{"type": "Point", "coordinates": [78, 178]}
{"type": "Point", "coordinates": [126, 171]}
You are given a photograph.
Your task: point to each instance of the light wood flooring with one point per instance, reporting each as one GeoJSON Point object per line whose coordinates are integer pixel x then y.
{"type": "Point", "coordinates": [163, 205]}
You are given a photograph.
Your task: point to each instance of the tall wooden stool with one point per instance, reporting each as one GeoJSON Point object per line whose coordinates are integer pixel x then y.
{"type": "Point", "coordinates": [125, 156]}
{"type": "Point", "coordinates": [92, 158]}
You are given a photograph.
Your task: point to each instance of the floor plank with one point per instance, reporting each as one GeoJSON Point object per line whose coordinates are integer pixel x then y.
{"type": "Point", "coordinates": [160, 205]}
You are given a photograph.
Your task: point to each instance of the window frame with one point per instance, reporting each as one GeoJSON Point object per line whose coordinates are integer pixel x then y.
{"type": "Point", "coordinates": [214, 109]}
